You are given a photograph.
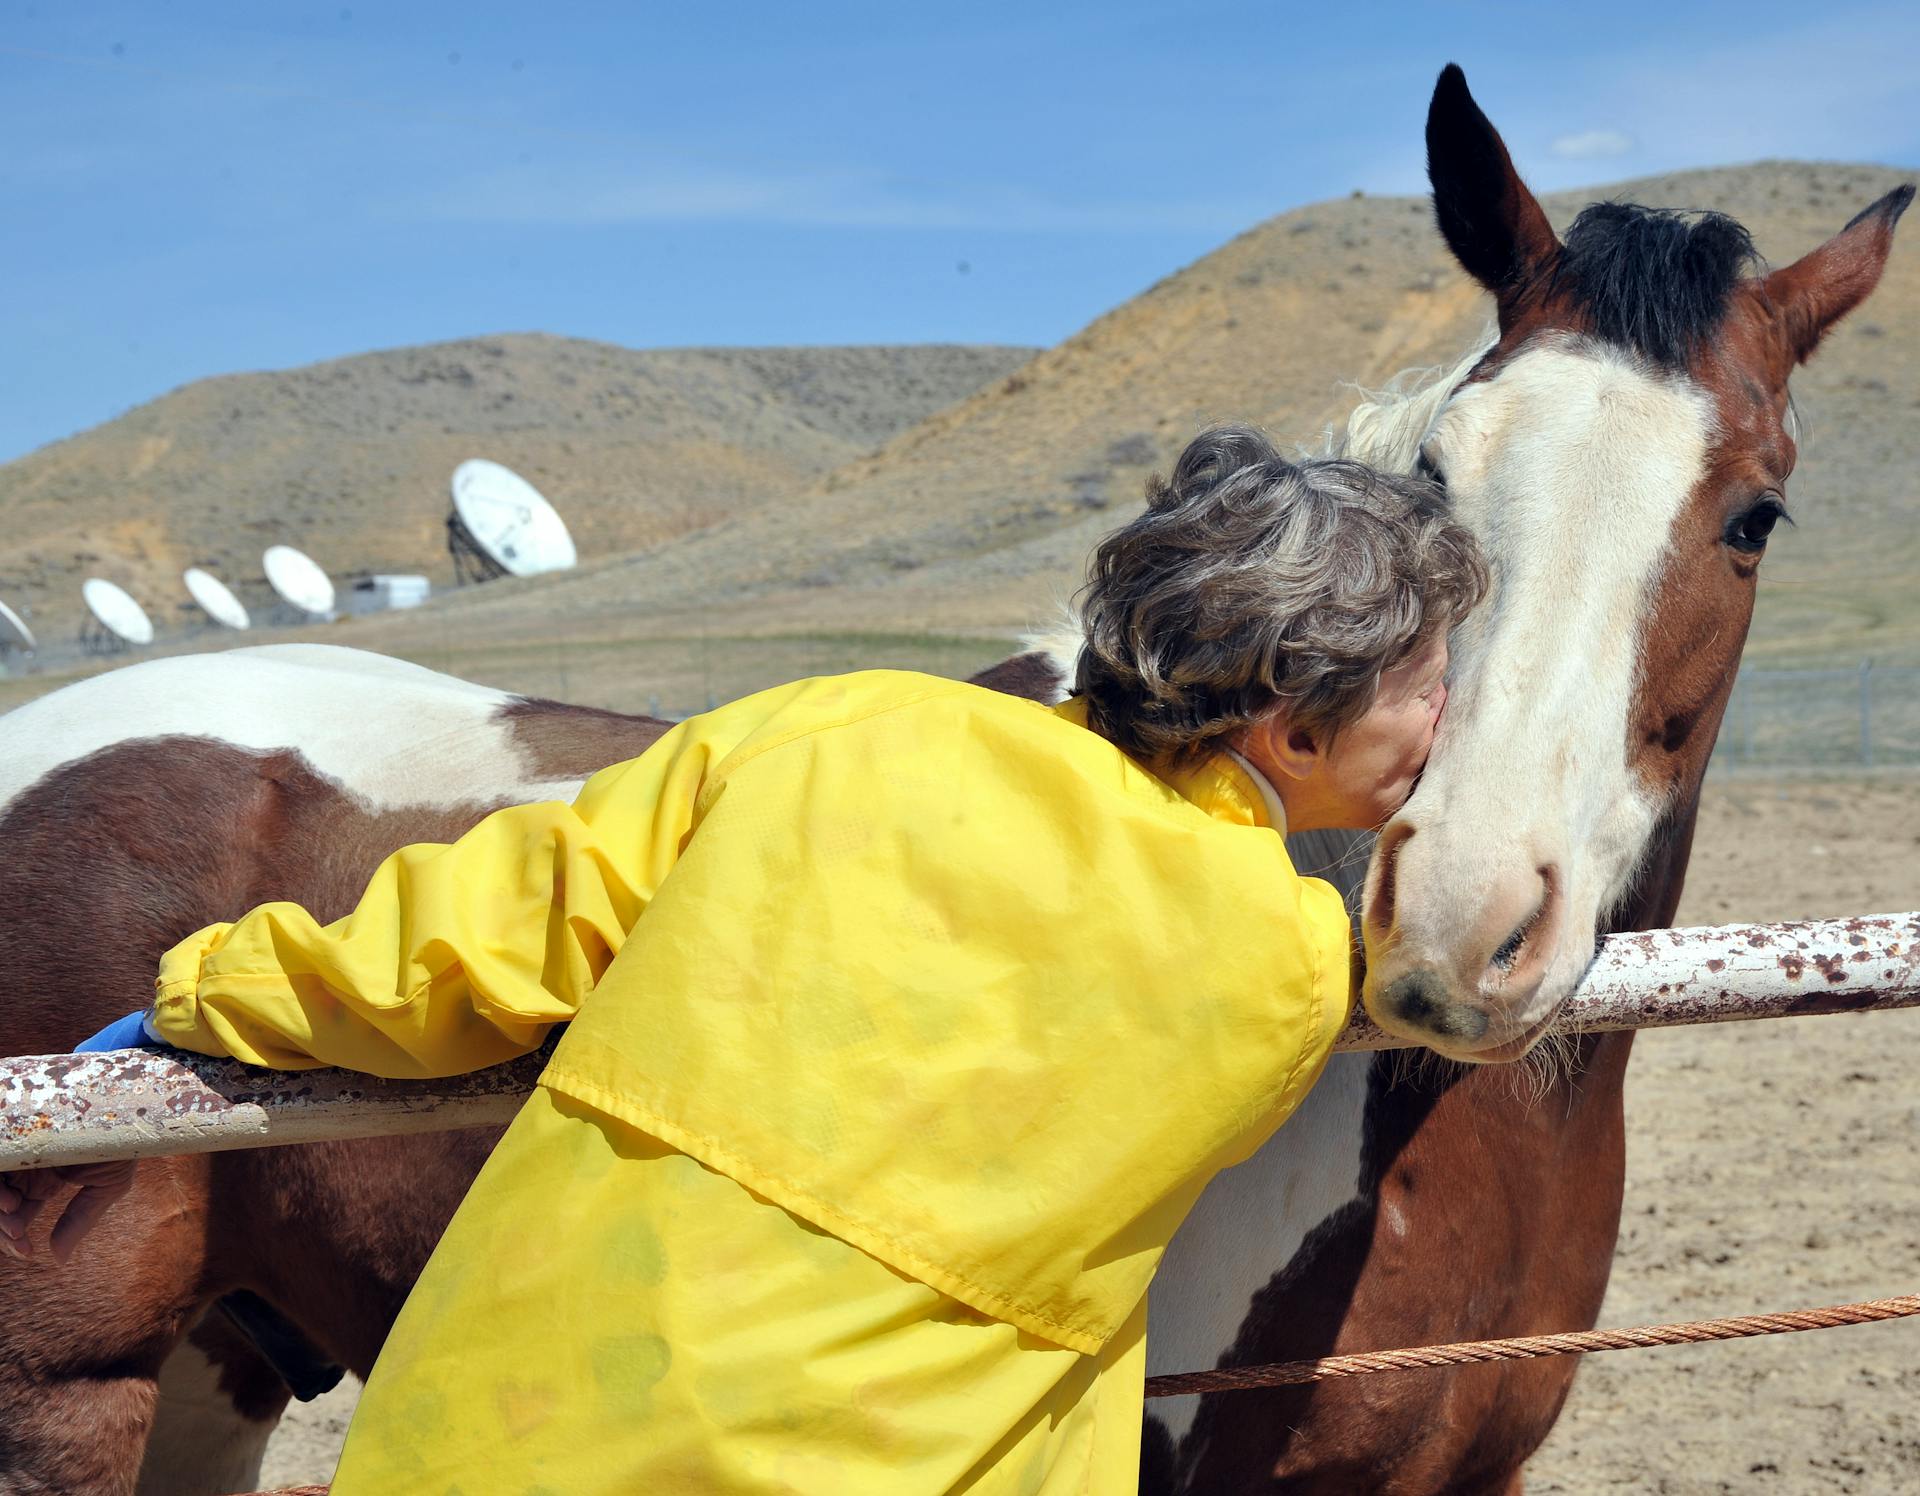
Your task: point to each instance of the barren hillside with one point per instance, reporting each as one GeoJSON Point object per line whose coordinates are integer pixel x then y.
{"type": "Point", "coordinates": [350, 459]}
{"type": "Point", "coordinates": [795, 511]}
{"type": "Point", "coordinates": [969, 521]}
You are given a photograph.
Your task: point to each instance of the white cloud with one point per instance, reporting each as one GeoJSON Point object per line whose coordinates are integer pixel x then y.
{"type": "Point", "coordinates": [580, 192]}
{"type": "Point", "coordinates": [1838, 87]}
{"type": "Point", "coordinates": [1592, 145]}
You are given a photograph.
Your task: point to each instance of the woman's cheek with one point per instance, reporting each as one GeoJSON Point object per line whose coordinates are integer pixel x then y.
{"type": "Point", "coordinates": [1419, 744]}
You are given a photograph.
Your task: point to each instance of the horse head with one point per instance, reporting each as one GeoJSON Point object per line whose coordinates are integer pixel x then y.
{"type": "Point", "coordinates": [1622, 451]}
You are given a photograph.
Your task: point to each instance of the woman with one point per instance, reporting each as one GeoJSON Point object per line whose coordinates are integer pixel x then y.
{"type": "Point", "coordinates": [919, 1017]}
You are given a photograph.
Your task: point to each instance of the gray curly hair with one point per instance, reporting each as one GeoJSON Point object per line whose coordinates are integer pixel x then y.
{"type": "Point", "coordinates": [1253, 584]}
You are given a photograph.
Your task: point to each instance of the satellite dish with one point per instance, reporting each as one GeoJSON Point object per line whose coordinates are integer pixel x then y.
{"type": "Point", "coordinates": [502, 526]}
{"type": "Point", "coordinates": [14, 633]}
{"type": "Point", "coordinates": [297, 577]}
{"type": "Point", "coordinates": [121, 621]}
{"type": "Point", "coordinates": [215, 598]}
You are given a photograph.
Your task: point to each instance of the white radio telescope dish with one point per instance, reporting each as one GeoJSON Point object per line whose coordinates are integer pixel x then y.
{"type": "Point", "coordinates": [215, 599]}
{"type": "Point", "coordinates": [14, 633]}
{"type": "Point", "coordinates": [116, 611]}
{"type": "Point", "coordinates": [297, 577]}
{"type": "Point", "coordinates": [507, 522]}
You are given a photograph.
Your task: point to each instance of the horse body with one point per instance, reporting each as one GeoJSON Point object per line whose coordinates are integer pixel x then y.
{"type": "Point", "coordinates": [137, 807]}
{"type": "Point", "coordinates": [1404, 1202]}
{"type": "Point", "coordinates": [176, 829]}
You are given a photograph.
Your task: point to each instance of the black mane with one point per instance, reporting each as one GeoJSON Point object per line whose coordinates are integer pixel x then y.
{"type": "Point", "coordinates": [1653, 280]}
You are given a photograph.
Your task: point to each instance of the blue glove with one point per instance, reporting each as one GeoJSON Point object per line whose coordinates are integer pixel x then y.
{"type": "Point", "coordinates": [123, 1033]}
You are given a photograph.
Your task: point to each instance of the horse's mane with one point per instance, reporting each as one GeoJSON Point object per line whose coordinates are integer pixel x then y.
{"type": "Point", "coordinates": [1652, 280]}
{"type": "Point", "coordinates": [1387, 427]}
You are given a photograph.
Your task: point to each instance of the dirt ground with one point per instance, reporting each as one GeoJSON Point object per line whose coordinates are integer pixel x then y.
{"type": "Point", "coordinates": [1771, 1166]}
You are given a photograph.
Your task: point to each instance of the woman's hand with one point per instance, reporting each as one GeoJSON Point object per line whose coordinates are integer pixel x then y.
{"type": "Point", "coordinates": [24, 1193]}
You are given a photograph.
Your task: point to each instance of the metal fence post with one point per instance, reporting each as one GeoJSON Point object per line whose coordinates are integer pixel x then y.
{"type": "Point", "coordinates": [1866, 713]}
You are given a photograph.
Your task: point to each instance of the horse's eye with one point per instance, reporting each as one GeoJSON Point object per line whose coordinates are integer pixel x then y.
{"type": "Point", "coordinates": [1748, 530]}
{"type": "Point", "coordinates": [1425, 467]}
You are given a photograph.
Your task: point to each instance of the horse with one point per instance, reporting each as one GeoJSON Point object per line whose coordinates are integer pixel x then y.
{"type": "Point", "coordinates": [1620, 445]}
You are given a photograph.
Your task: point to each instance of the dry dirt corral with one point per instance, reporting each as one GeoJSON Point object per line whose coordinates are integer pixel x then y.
{"type": "Point", "coordinates": [1772, 1166]}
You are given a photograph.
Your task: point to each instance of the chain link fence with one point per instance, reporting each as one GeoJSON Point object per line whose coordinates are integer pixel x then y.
{"type": "Point", "coordinates": [1864, 717]}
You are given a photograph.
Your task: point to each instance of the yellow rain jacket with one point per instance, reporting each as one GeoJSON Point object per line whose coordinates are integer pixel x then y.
{"type": "Point", "coordinates": [919, 1017]}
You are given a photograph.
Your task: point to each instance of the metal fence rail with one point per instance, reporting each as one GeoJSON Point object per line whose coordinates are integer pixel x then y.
{"type": "Point", "coordinates": [71, 1109]}
{"type": "Point", "coordinates": [1865, 716]}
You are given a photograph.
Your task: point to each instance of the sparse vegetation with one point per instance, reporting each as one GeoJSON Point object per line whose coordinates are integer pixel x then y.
{"type": "Point", "coordinates": [786, 492]}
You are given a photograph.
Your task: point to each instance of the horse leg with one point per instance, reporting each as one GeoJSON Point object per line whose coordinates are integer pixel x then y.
{"type": "Point", "coordinates": [350, 1227]}
{"type": "Point", "coordinates": [218, 1405]}
{"type": "Point", "coordinates": [203, 1422]}
{"type": "Point", "coordinates": [82, 1343]}
{"type": "Point", "coordinates": [78, 1436]}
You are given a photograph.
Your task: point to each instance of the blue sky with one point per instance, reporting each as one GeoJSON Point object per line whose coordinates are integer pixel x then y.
{"type": "Point", "coordinates": [193, 189]}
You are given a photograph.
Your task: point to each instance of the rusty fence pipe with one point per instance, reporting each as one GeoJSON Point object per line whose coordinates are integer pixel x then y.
{"type": "Point", "coordinates": [1725, 973]}
{"type": "Point", "coordinates": [143, 1103]}
{"type": "Point", "coordinates": [72, 1109]}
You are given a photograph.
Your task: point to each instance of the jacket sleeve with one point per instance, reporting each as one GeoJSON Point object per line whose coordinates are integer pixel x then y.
{"type": "Point", "coordinates": [457, 956]}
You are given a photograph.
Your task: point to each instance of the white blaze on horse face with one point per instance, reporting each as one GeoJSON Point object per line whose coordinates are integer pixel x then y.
{"type": "Point", "coordinates": [1571, 466]}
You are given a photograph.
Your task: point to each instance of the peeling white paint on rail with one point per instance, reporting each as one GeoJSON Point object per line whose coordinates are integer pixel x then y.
{"type": "Point", "coordinates": [1723, 973]}
{"type": "Point", "coordinates": [71, 1109]}
{"type": "Point", "coordinates": [142, 1103]}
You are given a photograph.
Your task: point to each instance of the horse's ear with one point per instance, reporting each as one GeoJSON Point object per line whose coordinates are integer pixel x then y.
{"type": "Point", "coordinates": [1493, 224]}
{"type": "Point", "coordinates": [1821, 287]}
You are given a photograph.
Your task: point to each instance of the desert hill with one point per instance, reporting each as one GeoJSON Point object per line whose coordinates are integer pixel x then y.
{"type": "Point", "coordinates": [349, 459]}
{"type": "Point", "coordinates": [970, 521]}
{"type": "Point", "coordinates": [782, 533]}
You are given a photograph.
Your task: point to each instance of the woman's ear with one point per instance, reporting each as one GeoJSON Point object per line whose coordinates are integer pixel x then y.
{"type": "Point", "coordinates": [1277, 746]}
{"type": "Point", "coordinates": [1296, 750]}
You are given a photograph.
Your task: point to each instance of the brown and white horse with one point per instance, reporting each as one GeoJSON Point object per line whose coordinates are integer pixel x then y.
{"type": "Point", "coordinates": [1620, 448]}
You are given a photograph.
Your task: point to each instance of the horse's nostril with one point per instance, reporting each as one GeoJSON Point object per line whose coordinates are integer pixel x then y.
{"type": "Point", "coordinates": [1504, 957]}
{"type": "Point", "coordinates": [1384, 872]}
{"type": "Point", "coordinates": [1510, 948]}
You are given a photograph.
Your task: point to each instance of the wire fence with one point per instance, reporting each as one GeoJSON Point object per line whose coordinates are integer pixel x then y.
{"type": "Point", "coordinates": [1867, 716]}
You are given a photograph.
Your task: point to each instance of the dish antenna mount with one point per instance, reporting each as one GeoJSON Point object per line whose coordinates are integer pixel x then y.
{"type": "Point", "coordinates": [502, 526]}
